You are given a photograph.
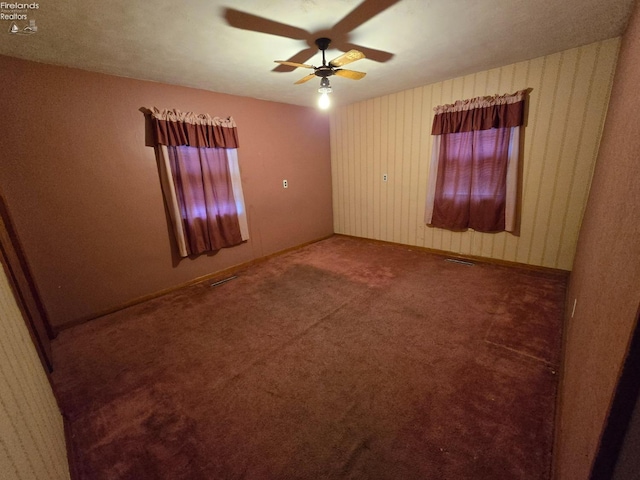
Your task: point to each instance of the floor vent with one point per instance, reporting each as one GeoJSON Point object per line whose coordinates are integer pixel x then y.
{"type": "Point", "coordinates": [461, 262]}
{"type": "Point", "coordinates": [220, 282]}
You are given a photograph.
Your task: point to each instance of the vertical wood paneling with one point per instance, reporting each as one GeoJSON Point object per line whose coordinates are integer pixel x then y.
{"type": "Point", "coordinates": [407, 160]}
{"type": "Point", "coordinates": [391, 134]}
{"type": "Point", "coordinates": [32, 444]}
{"type": "Point", "coordinates": [384, 149]}
{"type": "Point", "coordinates": [554, 113]}
{"type": "Point", "coordinates": [334, 141]}
{"type": "Point", "coordinates": [391, 162]}
{"type": "Point", "coordinates": [377, 168]}
{"type": "Point", "coordinates": [569, 91]}
{"type": "Point", "coordinates": [363, 174]}
{"type": "Point", "coordinates": [599, 67]}
{"type": "Point", "coordinates": [581, 99]}
{"type": "Point", "coordinates": [343, 165]}
{"type": "Point", "coordinates": [354, 179]}
{"type": "Point", "coordinates": [398, 161]}
{"type": "Point", "coordinates": [423, 162]}
{"type": "Point", "coordinates": [370, 166]}
{"type": "Point", "coordinates": [414, 171]}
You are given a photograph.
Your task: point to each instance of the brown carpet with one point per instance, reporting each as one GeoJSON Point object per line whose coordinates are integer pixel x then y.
{"type": "Point", "coordinates": [346, 359]}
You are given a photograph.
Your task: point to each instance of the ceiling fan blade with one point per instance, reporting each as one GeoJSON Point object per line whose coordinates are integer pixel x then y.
{"type": "Point", "coordinates": [300, 57]}
{"type": "Point", "coordinates": [248, 21]}
{"type": "Point", "coordinates": [371, 53]}
{"type": "Point", "coordinates": [294, 64]}
{"type": "Point", "coordinates": [305, 79]}
{"type": "Point", "coordinates": [352, 74]}
{"type": "Point", "coordinates": [348, 57]}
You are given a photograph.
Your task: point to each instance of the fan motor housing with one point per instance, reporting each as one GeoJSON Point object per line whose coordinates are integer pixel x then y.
{"type": "Point", "coordinates": [323, 43]}
{"type": "Point", "coordinates": [324, 71]}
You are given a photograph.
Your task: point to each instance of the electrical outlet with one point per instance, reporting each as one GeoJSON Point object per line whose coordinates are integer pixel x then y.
{"type": "Point", "coordinates": [285, 184]}
{"type": "Point", "coordinates": [385, 177]}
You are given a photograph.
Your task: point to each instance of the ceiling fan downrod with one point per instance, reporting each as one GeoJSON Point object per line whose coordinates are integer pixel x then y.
{"type": "Point", "coordinates": [323, 44]}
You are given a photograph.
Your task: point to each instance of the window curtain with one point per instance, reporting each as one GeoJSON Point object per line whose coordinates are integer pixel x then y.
{"type": "Point", "coordinates": [200, 179]}
{"type": "Point", "coordinates": [473, 180]}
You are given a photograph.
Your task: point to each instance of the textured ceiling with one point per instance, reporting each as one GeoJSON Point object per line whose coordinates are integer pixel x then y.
{"type": "Point", "coordinates": [229, 46]}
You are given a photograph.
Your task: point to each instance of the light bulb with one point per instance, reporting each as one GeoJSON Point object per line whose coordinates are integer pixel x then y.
{"type": "Point", "coordinates": [323, 101]}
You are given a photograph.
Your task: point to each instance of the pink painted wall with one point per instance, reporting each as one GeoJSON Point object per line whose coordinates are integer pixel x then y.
{"type": "Point", "coordinates": [84, 193]}
{"type": "Point", "coordinates": [605, 280]}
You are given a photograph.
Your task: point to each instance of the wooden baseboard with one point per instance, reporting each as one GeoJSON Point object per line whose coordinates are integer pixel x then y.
{"type": "Point", "coordinates": [468, 258]}
{"type": "Point", "coordinates": [215, 276]}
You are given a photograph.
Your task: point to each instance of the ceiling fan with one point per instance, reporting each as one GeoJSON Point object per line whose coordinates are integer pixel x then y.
{"type": "Point", "coordinates": [340, 32]}
{"type": "Point", "coordinates": [332, 68]}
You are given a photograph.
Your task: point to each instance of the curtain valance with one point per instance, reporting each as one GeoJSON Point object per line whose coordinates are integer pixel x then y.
{"type": "Point", "coordinates": [175, 128]}
{"type": "Point", "coordinates": [480, 113]}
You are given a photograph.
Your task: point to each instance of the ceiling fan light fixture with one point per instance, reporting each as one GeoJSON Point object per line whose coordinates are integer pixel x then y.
{"type": "Point", "coordinates": [324, 90]}
{"type": "Point", "coordinates": [325, 86]}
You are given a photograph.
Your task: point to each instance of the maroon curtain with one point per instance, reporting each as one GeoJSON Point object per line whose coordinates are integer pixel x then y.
{"type": "Point", "coordinates": [205, 198]}
{"type": "Point", "coordinates": [473, 159]}
{"type": "Point", "coordinates": [210, 133]}
{"type": "Point", "coordinates": [471, 183]}
{"type": "Point", "coordinates": [201, 202]}
{"type": "Point", "coordinates": [474, 114]}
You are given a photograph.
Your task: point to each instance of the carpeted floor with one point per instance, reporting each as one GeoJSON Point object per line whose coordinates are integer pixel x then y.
{"type": "Point", "coordinates": [346, 359]}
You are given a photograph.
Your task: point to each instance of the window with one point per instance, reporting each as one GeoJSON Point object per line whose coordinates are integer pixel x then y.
{"type": "Point", "coordinates": [474, 165]}
{"type": "Point", "coordinates": [200, 180]}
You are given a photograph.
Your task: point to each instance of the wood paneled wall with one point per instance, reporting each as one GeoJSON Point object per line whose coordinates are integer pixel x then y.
{"type": "Point", "coordinates": [32, 443]}
{"type": "Point", "coordinates": [391, 135]}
